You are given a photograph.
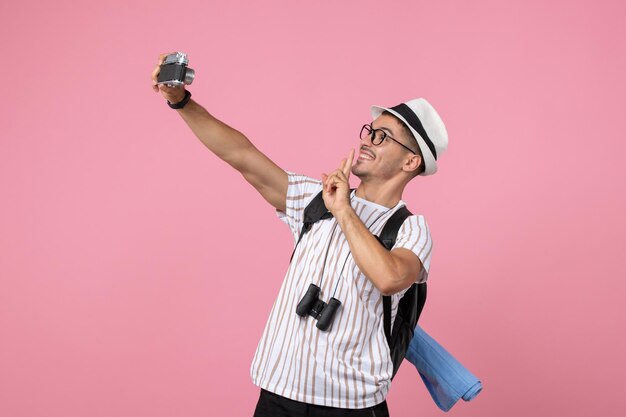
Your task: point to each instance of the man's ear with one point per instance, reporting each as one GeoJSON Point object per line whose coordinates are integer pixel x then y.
{"type": "Point", "coordinates": [412, 163]}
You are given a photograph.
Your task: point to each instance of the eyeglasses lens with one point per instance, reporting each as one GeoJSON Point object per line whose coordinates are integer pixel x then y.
{"type": "Point", "coordinates": [375, 135]}
{"type": "Point", "coordinates": [365, 131]}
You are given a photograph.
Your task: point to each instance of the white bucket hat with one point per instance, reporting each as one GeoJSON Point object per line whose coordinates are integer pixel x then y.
{"type": "Point", "coordinates": [425, 124]}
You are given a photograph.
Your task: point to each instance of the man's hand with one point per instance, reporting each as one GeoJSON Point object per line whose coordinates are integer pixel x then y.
{"type": "Point", "coordinates": [171, 94]}
{"type": "Point", "coordinates": [336, 186]}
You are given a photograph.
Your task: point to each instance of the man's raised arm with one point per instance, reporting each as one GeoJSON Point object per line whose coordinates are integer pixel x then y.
{"type": "Point", "coordinates": [229, 145]}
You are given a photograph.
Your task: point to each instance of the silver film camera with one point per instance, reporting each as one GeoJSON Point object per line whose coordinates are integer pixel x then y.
{"type": "Point", "coordinates": [174, 70]}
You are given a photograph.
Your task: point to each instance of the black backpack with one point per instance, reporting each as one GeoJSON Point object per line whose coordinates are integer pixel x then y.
{"type": "Point", "coordinates": [412, 302]}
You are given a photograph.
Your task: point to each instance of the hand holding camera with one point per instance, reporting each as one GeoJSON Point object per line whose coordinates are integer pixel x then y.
{"type": "Point", "coordinates": [171, 75]}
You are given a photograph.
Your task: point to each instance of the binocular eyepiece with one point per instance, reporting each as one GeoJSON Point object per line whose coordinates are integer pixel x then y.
{"type": "Point", "coordinates": [318, 309]}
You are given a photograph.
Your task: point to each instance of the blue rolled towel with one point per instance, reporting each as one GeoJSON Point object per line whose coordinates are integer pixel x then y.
{"type": "Point", "coordinates": [446, 379]}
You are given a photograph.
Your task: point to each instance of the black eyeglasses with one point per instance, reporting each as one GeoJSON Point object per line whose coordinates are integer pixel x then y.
{"type": "Point", "coordinates": [377, 136]}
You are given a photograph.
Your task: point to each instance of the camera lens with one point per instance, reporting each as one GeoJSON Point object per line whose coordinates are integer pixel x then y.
{"type": "Point", "coordinates": [189, 76]}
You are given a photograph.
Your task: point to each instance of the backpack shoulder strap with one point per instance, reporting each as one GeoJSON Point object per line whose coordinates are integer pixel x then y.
{"type": "Point", "coordinates": [315, 211]}
{"type": "Point", "coordinates": [390, 231]}
{"type": "Point", "coordinates": [388, 239]}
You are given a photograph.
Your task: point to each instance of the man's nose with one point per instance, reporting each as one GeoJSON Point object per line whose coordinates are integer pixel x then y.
{"type": "Point", "coordinates": [367, 140]}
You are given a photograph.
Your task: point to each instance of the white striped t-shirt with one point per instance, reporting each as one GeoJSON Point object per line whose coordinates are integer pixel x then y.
{"type": "Point", "coordinates": [348, 366]}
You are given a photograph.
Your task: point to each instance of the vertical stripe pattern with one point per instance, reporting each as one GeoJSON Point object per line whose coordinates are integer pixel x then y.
{"type": "Point", "coordinates": [349, 365]}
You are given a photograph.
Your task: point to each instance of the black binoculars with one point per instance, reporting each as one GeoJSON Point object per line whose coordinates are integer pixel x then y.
{"type": "Point", "coordinates": [318, 309]}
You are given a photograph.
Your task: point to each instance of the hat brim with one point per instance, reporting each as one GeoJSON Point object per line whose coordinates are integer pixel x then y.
{"type": "Point", "coordinates": [430, 164]}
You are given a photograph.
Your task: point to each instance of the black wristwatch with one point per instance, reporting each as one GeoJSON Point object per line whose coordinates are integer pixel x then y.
{"type": "Point", "coordinates": [181, 103]}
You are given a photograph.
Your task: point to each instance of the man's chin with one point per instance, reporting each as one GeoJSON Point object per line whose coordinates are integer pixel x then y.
{"type": "Point", "coordinates": [357, 172]}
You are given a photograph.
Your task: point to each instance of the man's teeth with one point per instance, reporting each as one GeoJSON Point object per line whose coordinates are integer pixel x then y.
{"type": "Point", "coordinates": [365, 156]}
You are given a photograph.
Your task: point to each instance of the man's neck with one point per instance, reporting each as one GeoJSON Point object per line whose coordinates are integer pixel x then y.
{"type": "Point", "coordinates": [387, 194]}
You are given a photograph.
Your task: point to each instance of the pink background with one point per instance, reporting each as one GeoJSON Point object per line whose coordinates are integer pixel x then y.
{"type": "Point", "coordinates": [138, 270]}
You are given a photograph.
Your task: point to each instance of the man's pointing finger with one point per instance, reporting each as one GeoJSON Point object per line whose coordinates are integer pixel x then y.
{"type": "Point", "coordinates": [348, 164]}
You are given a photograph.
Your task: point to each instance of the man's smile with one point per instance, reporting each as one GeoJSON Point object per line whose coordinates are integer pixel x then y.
{"type": "Point", "coordinates": [366, 155]}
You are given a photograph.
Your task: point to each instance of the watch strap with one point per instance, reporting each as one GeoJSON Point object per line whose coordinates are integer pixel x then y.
{"type": "Point", "coordinates": [181, 103]}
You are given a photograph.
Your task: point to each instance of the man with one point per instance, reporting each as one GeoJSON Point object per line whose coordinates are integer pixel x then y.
{"type": "Point", "coordinates": [345, 369]}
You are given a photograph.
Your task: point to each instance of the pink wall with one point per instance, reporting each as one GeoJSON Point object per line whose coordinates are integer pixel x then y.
{"type": "Point", "coordinates": [125, 289]}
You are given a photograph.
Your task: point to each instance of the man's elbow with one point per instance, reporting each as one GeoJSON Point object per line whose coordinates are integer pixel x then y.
{"type": "Point", "coordinates": [390, 286]}
{"type": "Point", "coordinates": [405, 271]}
{"type": "Point", "coordinates": [387, 291]}
{"type": "Point", "coordinates": [240, 158]}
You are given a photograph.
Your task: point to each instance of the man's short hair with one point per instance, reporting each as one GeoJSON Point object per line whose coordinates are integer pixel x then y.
{"type": "Point", "coordinates": [407, 132]}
